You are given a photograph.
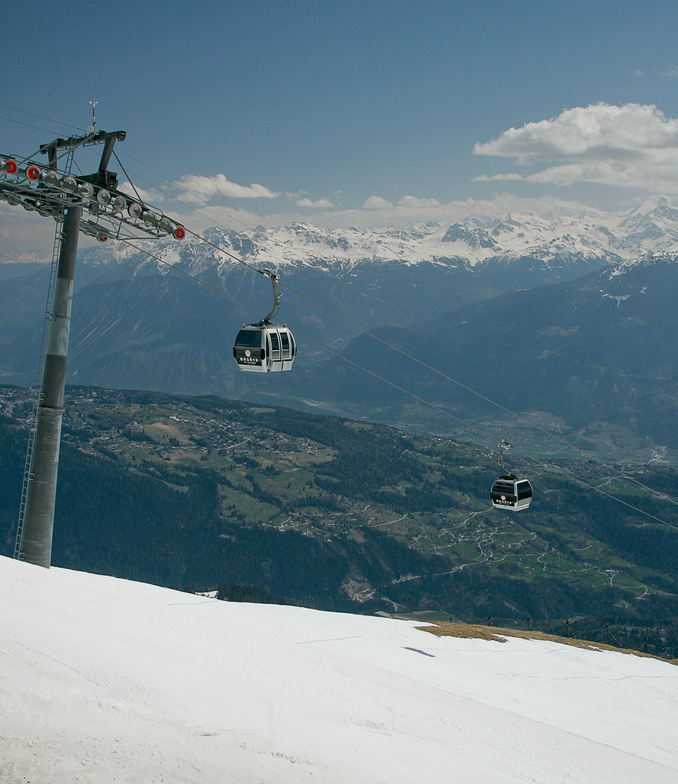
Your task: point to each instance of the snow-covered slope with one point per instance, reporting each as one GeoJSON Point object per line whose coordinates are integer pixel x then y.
{"type": "Point", "coordinates": [104, 680]}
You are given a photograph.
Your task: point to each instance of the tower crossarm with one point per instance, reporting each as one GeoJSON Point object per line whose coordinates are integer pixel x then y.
{"type": "Point", "coordinates": [51, 190]}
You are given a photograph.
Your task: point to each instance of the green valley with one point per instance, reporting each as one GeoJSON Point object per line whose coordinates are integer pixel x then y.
{"type": "Point", "coordinates": [338, 514]}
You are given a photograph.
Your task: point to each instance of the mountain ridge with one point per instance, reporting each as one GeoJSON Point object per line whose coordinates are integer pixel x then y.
{"type": "Point", "coordinates": [472, 240]}
{"type": "Point", "coordinates": [137, 324]}
{"type": "Point", "coordinates": [599, 349]}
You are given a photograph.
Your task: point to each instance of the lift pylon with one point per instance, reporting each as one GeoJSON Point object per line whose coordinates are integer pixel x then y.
{"type": "Point", "coordinates": [93, 205]}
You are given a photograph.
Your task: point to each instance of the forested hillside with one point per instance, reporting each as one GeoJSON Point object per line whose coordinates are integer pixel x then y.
{"type": "Point", "coordinates": [336, 514]}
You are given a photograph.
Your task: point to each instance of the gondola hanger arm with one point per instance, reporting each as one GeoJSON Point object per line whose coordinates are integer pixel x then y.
{"type": "Point", "coordinates": [503, 445]}
{"type": "Point", "coordinates": [276, 295]}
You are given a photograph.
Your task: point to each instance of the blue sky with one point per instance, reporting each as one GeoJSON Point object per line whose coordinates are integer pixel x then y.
{"type": "Point", "coordinates": [355, 112]}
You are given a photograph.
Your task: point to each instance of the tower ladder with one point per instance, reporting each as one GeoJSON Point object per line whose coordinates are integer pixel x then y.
{"type": "Point", "coordinates": [37, 396]}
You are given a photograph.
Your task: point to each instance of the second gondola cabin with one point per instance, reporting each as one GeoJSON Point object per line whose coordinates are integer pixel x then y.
{"type": "Point", "coordinates": [264, 348]}
{"type": "Point", "coordinates": [509, 492]}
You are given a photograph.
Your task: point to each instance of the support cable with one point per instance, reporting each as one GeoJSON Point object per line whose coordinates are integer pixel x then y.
{"type": "Point", "coordinates": [115, 155]}
{"type": "Point", "coordinates": [28, 125]}
{"type": "Point", "coordinates": [429, 367]}
{"type": "Point", "coordinates": [426, 365]}
{"type": "Point", "coordinates": [404, 353]}
{"type": "Point", "coordinates": [391, 383]}
{"type": "Point", "coordinates": [306, 337]}
{"type": "Point", "coordinates": [619, 500]}
{"type": "Point", "coordinates": [248, 227]}
{"type": "Point", "coordinates": [239, 259]}
{"type": "Point", "coordinates": [336, 315]}
{"type": "Point", "coordinates": [39, 117]}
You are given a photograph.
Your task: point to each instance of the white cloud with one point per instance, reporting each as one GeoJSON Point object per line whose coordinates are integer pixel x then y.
{"type": "Point", "coordinates": [377, 203]}
{"type": "Point", "coordinates": [26, 236]}
{"type": "Point", "coordinates": [321, 204]}
{"type": "Point", "coordinates": [196, 189]}
{"type": "Point", "coordinates": [414, 203]}
{"type": "Point", "coordinates": [495, 177]}
{"type": "Point", "coordinates": [152, 196]}
{"type": "Point", "coordinates": [630, 146]}
{"type": "Point", "coordinates": [413, 211]}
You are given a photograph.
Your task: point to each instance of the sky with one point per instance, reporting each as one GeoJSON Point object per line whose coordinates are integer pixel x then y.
{"type": "Point", "coordinates": [110, 680]}
{"type": "Point", "coordinates": [353, 113]}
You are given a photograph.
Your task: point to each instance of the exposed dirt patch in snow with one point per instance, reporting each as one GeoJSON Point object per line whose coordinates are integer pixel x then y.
{"type": "Point", "coordinates": [476, 631]}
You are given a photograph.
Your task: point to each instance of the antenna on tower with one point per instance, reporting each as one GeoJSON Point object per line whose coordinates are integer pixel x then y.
{"type": "Point", "coordinates": [92, 127]}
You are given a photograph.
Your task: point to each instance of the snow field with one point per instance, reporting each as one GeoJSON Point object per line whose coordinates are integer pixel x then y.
{"type": "Point", "coordinates": [106, 680]}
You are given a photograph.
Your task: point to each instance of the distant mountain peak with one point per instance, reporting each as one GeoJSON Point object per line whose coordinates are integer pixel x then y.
{"type": "Point", "coordinates": [593, 237]}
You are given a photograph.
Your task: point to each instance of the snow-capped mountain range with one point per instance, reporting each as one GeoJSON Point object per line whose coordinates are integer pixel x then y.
{"type": "Point", "coordinates": [138, 324]}
{"type": "Point", "coordinates": [557, 241]}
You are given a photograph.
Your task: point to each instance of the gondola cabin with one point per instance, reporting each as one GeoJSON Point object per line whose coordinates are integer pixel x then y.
{"type": "Point", "coordinates": [509, 492]}
{"type": "Point", "coordinates": [262, 348]}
